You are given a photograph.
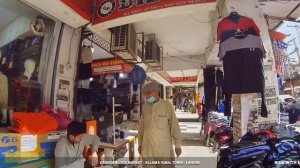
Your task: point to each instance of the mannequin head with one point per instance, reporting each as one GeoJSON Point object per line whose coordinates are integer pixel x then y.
{"type": "Point", "coordinates": [29, 66]}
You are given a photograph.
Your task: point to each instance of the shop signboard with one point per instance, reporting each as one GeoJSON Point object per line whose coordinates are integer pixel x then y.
{"type": "Point", "coordinates": [184, 79]}
{"type": "Point", "coordinates": [107, 10]}
{"type": "Point", "coordinates": [110, 67]}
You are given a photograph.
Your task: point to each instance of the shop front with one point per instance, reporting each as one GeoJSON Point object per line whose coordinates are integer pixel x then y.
{"type": "Point", "coordinates": [27, 38]}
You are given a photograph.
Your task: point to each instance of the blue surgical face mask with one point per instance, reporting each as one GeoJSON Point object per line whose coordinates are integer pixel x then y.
{"type": "Point", "coordinates": [151, 100]}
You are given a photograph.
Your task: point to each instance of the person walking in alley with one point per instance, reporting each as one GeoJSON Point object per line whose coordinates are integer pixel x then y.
{"type": "Point", "coordinates": [157, 127]}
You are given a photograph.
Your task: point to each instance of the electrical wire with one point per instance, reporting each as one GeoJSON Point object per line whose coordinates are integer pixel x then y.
{"type": "Point", "coordinates": [188, 61]}
{"type": "Point", "coordinates": [178, 57]}
{"type": "Point", "coordinates": [219, 17]}
{"type": "Point", "coordinates": [70, 47]}
{"type": "Point", "coordinates": [282, 2]}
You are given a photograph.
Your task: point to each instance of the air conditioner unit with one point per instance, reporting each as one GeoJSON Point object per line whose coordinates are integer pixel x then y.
{"type": "Point", "coordinates": [153, 54]}
{"type": "Point", "coordinates": [124, 42]}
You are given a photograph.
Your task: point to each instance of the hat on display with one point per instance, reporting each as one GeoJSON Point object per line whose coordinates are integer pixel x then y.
{"type": "Point", "coordinates": [151, 87]}
{"type": "Point", "coordinates": [29, 66]}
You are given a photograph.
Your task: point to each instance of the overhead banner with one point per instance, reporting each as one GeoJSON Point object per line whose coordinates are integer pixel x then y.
{"type": "Point", "coordinates": [170, 79]}
{"type": "Point", "coordinates": [110, 67]}
{"type": "Point", "coordinates": [184, 79]}
{"type": "Point", "coordinates": [112, 9]}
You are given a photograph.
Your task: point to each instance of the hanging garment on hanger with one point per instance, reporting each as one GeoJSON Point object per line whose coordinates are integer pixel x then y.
{"type": "Point", "coordinates": [83, 96]}
{"type": "Point", "coordinates": [86, 55]}
{"type": "Point", "coordinates": [3, 91]}
{"type": "Point", "coordinates": [83, 112]}
{"type": "Point", "coordinates": [243, 73]}
{"type": "Point", "coordinates": [233, 43]}
{"type": "Point", "coordinates": [98, 96]}
{"type": "Point", "coordinates": [85, 71]}
{"type": "Point", "coordinates": [219, 85]}
{"type": "Point", "coordinates": [244, 23]}
{"type": "Point", "coordinates": [85, 84]}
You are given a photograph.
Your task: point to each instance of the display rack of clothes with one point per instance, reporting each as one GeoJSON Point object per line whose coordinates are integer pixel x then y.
{"type": "Point", "coordinates": [84, 111]}
{"type": "Point", "coordinates": [241, 50]}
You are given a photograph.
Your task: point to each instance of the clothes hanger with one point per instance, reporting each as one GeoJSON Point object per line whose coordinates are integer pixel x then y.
{"type": "Point", "coordinates": [234, 16]}
{"type": "Point", "coordinates": [239, 33]}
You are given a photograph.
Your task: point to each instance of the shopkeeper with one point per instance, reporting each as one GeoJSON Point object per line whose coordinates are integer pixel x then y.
{"type": "Point", "coordinates": [69, 149]}
{"type": "Point", "coordinates": [158, 126]}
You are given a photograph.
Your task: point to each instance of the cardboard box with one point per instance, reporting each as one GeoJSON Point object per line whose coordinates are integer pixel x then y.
{"type": "Point", "coordinates": [46, 163]}
{"type": "Point", "coordinates": [16, 149]}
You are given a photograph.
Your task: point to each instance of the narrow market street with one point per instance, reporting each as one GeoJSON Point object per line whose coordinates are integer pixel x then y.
{"type": "Point", "coordinates": [193, 146]}
{"type": "Point", "coordinates": [94, 83]}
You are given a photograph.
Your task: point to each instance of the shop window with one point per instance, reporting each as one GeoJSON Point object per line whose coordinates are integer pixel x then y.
{"type": "Point", "coordinates": [24, 37]}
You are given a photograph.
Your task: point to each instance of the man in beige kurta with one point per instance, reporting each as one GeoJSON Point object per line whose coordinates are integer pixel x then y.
{"type": "Point", "coordinates": [157, 127]}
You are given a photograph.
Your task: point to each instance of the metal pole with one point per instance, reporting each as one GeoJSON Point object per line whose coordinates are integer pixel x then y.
{"type": "Point", "coordinates": [289, 70]}
{"type": "Point", "coordinates": [114, 123]}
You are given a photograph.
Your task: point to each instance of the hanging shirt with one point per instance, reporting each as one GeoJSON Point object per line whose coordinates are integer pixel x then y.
{"type": "Point", "coordinates": [234, 43]}
{"type": "Point", "coordinates": [86, 55]}
{"type": "Point", "coordinates": [157, 127]}
{"type": "Point", "coordinates": [244, 23]}
{"type": "Point", "coordinates": [3, 91]}
{"type": "Point", "coordinates": [243, 73]}
{"type": "Point", "coordinates": [85, 71]}
{"type": "Point", "coordinates": [85, 84]}
{"type": "Point", "coordinates": [83, 96]}
{"type": "Point", "coordinates": [68, 155]}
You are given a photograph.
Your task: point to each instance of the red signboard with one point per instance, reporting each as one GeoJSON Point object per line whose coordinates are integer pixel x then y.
{"type": "Point", "coordinates": [167, 77]}
{"type": "Point", "coordinates": [111, 9]}
{"type": "Point", "coordinates": [184, 79]}
{"type": "Point", "coordinates": [110, 67]}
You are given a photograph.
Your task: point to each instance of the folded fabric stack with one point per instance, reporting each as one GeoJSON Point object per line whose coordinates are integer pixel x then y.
{"type": "Point", "coordinates": [262, 149]}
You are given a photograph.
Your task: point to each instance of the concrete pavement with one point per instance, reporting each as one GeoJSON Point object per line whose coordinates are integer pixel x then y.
{"type": "Point", "coordinates": [193, 146]}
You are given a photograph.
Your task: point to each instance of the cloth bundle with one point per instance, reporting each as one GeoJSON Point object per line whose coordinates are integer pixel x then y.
{"type": "Point", "coordinates": [33, 123]}
{"type": "Point", "coordinates": [61, 117]}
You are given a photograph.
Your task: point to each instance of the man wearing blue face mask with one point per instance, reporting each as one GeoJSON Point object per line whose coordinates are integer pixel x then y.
{"type": "Point", "coordinates": [157, 128]}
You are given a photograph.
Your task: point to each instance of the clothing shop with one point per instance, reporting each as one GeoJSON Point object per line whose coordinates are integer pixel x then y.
{"type": "Point", "coordinates": [26, 42]}
{"type": "Point", "coordinates": [249, 132]}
